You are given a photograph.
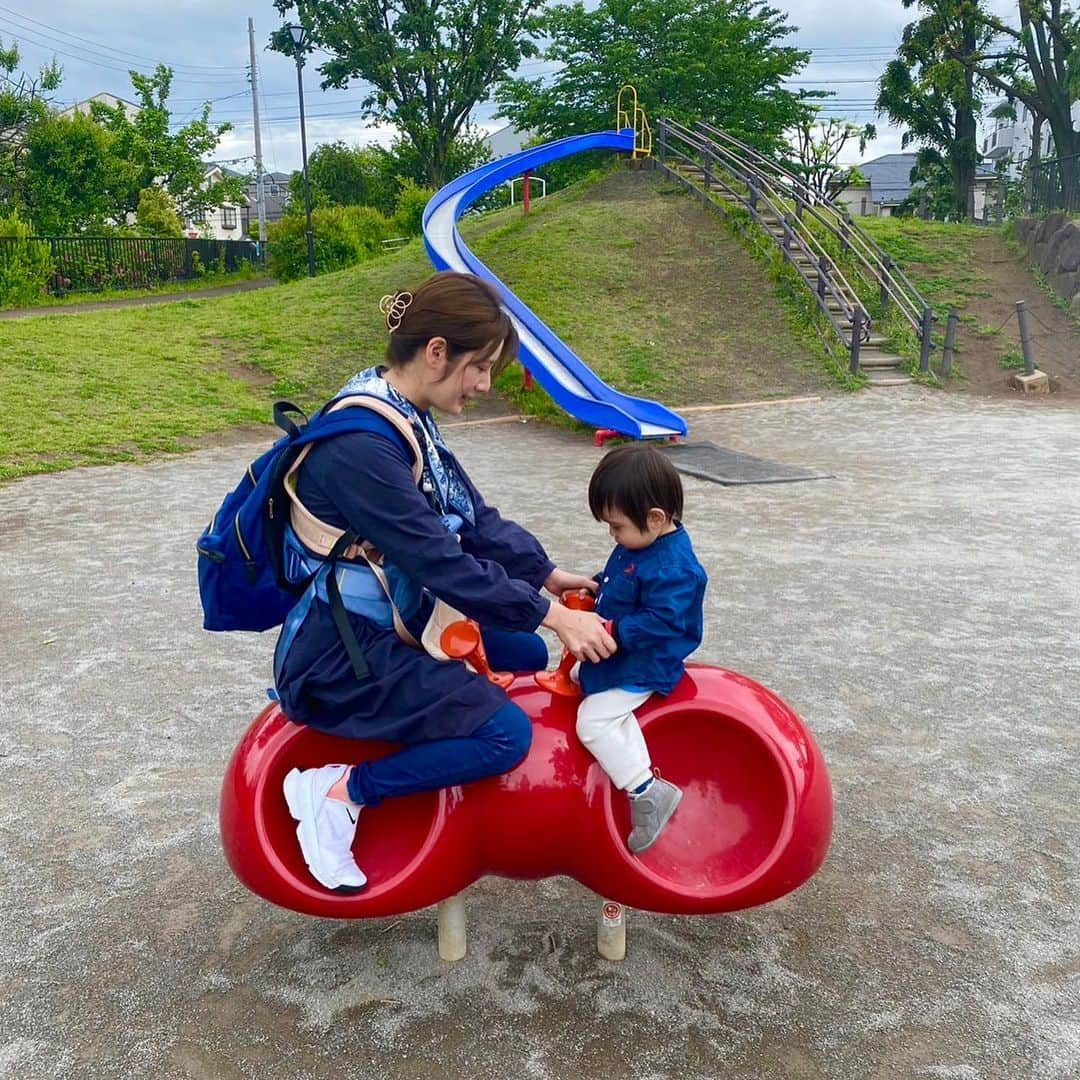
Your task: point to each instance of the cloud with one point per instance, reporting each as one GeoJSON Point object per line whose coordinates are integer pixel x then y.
{"type": "Point", "coordinates": [206, 43]}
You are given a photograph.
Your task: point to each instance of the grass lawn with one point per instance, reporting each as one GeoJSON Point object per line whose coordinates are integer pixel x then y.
{"type": "Point", "coordinates": [642, 282]}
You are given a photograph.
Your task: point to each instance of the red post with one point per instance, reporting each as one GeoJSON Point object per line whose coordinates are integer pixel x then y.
{"type": "Point", "coordinates": [525, 193]}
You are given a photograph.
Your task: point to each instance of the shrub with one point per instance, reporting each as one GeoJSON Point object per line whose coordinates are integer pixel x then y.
{"type": "Point", "coordinates": [344, 236]}
{"type": "Point", "coordinates": [409, 212]}
{"type": "Point", "coordinates": [25, 265]}
{"type": "Point", "coordinates": [156, 215]}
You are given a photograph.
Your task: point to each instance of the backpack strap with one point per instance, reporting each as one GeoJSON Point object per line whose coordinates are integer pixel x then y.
{"type": "Point", "coordinates": [316, 535]}
{"type": "Point", "coordinates": [326, 540]}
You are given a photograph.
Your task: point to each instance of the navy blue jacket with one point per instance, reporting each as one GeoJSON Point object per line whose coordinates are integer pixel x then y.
{"type": "Point", "coordinates": [364, 481]}
{"type": "Point", "coordinates": [655, 597]}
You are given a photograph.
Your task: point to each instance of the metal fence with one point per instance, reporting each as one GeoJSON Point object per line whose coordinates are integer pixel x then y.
{"type": "Point", "coordinates": [98, 263]}
{"type": "Point", "coordinates": [1055, 185]}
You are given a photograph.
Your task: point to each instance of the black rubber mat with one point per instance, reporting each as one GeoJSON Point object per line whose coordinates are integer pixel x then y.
{"type": "Point", "coordinates": [711, 462]}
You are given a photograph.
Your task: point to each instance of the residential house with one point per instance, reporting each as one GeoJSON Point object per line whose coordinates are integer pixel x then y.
{"type": "Point", "coordinates": [507, 140]}
{"type": "Point", "coordinates": [219, 222]}
{"type": "Point", "coordinates": [1011, 140]}
{"type": "Point", "coordinates": [276, 196]}
{"type": "Point", "coordinates": [887, 184]}
{"type": "Point", "coordinates": [131, 110]}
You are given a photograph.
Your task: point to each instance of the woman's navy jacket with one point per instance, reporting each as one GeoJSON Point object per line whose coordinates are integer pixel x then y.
{"type": "Point", "coordinates": [363, 481]}
{"type": "Point", "coordinates": [654, 597]}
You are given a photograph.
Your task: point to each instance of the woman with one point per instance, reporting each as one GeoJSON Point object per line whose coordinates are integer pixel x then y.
{"type": "Point", "coordinates": [399, 490]}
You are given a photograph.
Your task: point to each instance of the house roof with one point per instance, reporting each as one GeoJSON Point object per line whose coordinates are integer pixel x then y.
{"type": "Point", "coordinates": [890, 177]}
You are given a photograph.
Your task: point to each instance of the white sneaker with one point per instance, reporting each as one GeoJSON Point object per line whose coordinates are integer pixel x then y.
{"type": "Point", "coordinates": [327, 827]}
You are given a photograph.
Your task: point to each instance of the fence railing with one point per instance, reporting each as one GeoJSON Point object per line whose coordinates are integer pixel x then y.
{"type": "Point", "coordinates": [1055, 185]}
{"type": "Point", "coordinates": [99, 263]}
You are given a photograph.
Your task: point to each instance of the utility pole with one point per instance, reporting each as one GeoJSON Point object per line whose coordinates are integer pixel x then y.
{"type": "Point", "coordinates": [260, 194]}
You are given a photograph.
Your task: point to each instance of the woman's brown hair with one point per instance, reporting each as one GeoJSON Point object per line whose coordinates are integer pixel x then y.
{"type": "Point", "coordinates": [461, 308]}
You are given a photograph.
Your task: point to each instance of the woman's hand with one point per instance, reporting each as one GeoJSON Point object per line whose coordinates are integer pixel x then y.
{"type": "Point", "coordinates": [560, 581]}
{"type": "Point", "coordinates": [581, 632]}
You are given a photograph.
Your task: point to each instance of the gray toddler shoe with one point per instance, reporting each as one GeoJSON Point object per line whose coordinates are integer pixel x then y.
{"type": "Point", "coordinates": [650, 812]}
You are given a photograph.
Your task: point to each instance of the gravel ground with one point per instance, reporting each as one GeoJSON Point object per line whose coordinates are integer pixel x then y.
{"type": "Point", "coordinates": [920, 611]}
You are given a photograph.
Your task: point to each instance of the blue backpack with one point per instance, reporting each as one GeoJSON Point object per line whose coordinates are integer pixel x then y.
{"type": "Point", "coordinates": [242, 582]}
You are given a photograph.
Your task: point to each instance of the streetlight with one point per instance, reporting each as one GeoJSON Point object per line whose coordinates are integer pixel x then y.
{"type": "Point", "coordinates": [298, 34]}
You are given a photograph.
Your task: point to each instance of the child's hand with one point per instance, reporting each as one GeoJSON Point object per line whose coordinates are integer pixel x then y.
{"type": "Point", "coordinates": [581, 632]}
{"type": "Point", "coordinates": [560, 581]}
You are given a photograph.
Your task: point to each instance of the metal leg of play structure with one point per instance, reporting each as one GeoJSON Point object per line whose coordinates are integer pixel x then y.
{"type": "Point", "coordinates": [611, 931]}
{"type": "Point", "coordinates": [451, 924]}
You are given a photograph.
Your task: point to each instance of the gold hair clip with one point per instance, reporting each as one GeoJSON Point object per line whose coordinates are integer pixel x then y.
{"type": "Point", "coordinates": [393, 306]}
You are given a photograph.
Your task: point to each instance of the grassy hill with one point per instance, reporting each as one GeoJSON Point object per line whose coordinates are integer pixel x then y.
{"type": "Point", "coordinates": [646, 285]}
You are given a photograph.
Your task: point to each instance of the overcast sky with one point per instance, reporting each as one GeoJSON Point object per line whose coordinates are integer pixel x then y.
{"type": "Point", "coordinates": [206, 44]}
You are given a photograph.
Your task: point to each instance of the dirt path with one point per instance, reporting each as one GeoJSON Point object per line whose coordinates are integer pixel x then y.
{"type": "Point", "coordinates": [1054, 335]}
{"type": "Point", "coordinates": [136, 301]}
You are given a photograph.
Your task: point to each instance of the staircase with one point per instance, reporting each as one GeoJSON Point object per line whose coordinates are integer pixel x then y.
{"type": "Point", "coordinates": [726, 173]}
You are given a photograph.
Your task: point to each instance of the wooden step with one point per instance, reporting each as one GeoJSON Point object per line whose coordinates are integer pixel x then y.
{"type": "Point", "coordinates": [879, 361]}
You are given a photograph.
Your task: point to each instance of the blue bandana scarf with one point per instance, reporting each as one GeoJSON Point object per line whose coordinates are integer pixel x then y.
{"type": "Point", "coordinates": [440, 477]}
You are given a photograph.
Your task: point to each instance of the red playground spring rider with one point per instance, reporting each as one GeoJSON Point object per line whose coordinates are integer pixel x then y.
{"type": "Point", "coordinates": [754, 822]}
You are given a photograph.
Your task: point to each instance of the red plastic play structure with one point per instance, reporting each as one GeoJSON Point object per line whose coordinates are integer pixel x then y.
{"type": "Point", "coordinates": [754, 823]}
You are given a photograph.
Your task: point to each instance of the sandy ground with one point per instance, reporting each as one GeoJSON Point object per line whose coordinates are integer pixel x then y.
{"type": "Point", "coordinates": [920, 610]}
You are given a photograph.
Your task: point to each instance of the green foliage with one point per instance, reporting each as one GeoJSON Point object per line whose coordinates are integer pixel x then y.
{"type": "Point", "coordinates": [722, 61]}
{"type": "Point", "coordinates": [424, 64]}
{"type": "Point", "coordinates": [343, 236]}
{"type": "Point", "coordinates": [23, 102]}
{"type": "Point", "coordinates": [818, 147]}
{"type": "Point", "coordinates": [25, 264]}
{"type": "Point", "coordinates": [409, 213]}
{"type": "Point", "coordinates": [1013, 360]}
{"type": "Point", "coordinates": [932, 92]}
{"type": "Point", "coordinates": [70, 175]}
{"type": "Point", "coordinates": [157, 215]}
{"type": "Point", "coordinates": [346, 176]}
{"type": "Point", "coordinates": [151, 153]}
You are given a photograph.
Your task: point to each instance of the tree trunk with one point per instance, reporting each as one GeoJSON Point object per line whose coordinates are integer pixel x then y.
{"type": "Point", "coordinates": [1033, 162]}
{"type": "Point", "coordinates": [963, 164]}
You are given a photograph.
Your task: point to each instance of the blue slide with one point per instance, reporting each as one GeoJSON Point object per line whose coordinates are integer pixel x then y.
{"type": "Point", "coordinates": [556, 367]}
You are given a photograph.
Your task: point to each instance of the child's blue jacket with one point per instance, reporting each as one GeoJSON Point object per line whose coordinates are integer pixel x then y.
{"type": "Point", "coordinates": [654, 597]}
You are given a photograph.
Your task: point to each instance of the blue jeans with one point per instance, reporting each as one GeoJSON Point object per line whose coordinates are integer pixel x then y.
{"type": "Point", "coordinates": [493, 748]}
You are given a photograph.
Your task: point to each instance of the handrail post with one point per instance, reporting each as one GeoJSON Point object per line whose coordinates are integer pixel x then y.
{"type": "Point", "coordinates": [1025, 338]}
{"type": "Point", "coordinates": [856, 339]}
{"type": "Point", "coordinates": [662, 140]}
{"type": "Point", "coordinates": [798, 205]}
{"type": "Point", "coordinates": [883, 281]}
{"type": "Point", "coordinates": [822, 276]}
{"type": "Point", "coordinates": [706, 157]}
{"type": "Point", "coordinates": [753, 197]}
{"type": "Point", "coordinates": [788, 232]}
{"type": "Point", "coordinates": [927, 344]}
{"type": "Point", "coordinates": [950, 341]}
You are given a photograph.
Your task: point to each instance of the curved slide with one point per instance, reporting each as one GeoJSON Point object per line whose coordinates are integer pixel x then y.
{"type": "Point", "coordinates": [559, 370]}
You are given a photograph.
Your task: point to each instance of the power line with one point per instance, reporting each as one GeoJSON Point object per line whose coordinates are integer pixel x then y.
{"type": "Point", "coordinates": [120, 53]}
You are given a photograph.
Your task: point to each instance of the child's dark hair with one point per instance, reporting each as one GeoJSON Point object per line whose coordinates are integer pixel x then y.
{"type": "Point", "coordinates": [631, 480]}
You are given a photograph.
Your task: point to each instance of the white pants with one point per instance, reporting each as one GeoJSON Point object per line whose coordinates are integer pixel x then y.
{"type": "Point", "coordinates": [606, 724]}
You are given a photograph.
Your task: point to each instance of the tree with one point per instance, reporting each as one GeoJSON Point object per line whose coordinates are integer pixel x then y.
{"type": "Point", "coordinates": [23, 100]}
{"type": "Point", "coordinates": [340, 175]}
{"type": "Point", "coordinates": [931, 89]}
{"type": "Point", "coordinates": [723, 61]}
{"type": "Point", "coordinates": [818, 147]}
{"type": "Point", "coordinates": [425, 63]}
{"type": "Point", "coordinates": [71, 178]}
{"type": "Point", "coordinates": [152, 155]}
{"type": "Point", "coordinates": [157, 214]}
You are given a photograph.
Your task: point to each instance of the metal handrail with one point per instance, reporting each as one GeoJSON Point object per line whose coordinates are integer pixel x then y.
{"type": "Point", "coordinates": [795, 225]}
{"type": "Point", "coordinates": [886, 273]}
{"type": "Point", "coordinates": [850, 305]}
